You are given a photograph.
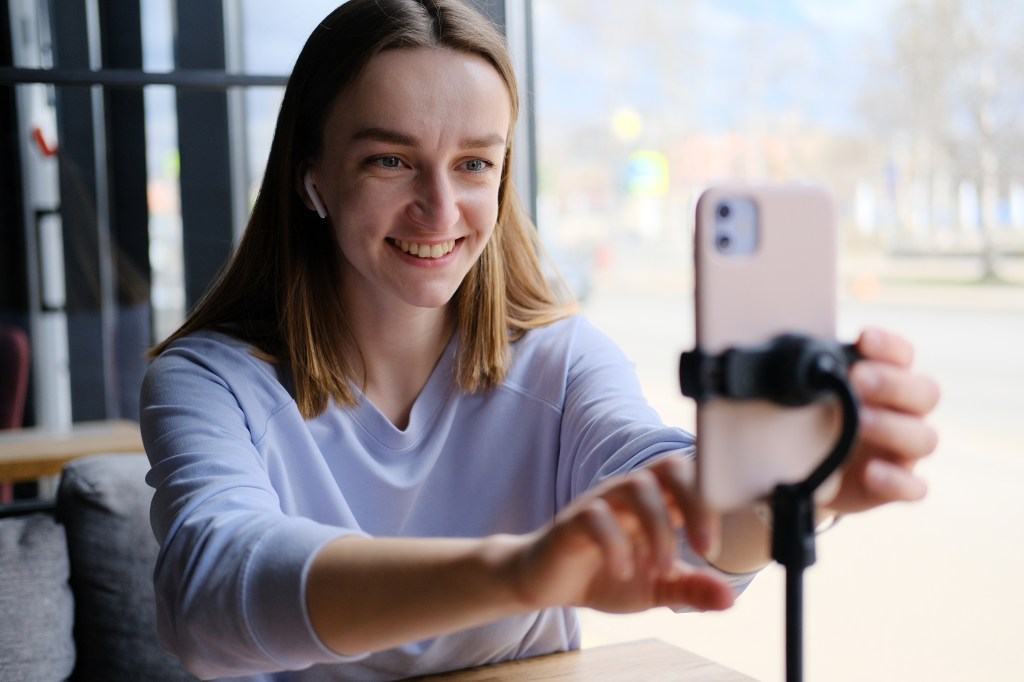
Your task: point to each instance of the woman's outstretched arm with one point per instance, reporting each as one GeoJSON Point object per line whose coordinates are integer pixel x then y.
{"type": "Point", "coordinates": [613, 549]}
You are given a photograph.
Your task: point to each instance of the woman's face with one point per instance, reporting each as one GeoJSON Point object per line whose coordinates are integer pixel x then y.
{"type": "Point", "coordinates": [409, 174]}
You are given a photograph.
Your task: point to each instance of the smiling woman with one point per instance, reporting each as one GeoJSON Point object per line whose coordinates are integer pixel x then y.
{"type": "Point", "coordinates": [396, 167]}
{"type": "Point", "coordinates": [382, 446]}
{"type": "Point", "coordinates": [369, 126]}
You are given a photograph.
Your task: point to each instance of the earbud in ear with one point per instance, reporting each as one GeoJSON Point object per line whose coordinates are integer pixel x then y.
{"type": "Point", "coordinates": [313, 196]}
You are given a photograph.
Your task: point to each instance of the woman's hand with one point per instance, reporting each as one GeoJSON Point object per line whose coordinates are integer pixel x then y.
{"type": "Point", "coordinates": [615, 548]}
{"type": "Point", "coordinates": [894, 435]}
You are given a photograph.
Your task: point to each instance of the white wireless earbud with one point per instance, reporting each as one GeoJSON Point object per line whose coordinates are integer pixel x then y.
{"type": "Point", "coordinates": [313, 196]}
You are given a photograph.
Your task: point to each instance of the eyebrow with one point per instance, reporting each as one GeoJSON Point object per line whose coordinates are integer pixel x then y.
{"type": "Point", "coordinates": [377, 134]}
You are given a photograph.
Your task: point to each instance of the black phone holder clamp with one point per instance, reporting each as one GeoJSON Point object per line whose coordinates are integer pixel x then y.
{"type": "Point", "coordinates": [790, 370]}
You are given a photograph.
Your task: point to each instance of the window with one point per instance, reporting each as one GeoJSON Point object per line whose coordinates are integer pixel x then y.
{"type": "Point", "coordinates": [908, 112]}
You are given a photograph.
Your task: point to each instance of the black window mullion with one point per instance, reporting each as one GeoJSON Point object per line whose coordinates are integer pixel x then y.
{"type": "Point", "coordinates": [203, 146]}
{"type": "Point", "coordinates": [14, 271]}
{"type": "Point", "coordinates": [121, 22]}
{"type": "Point", "coordinates": [82, 254]}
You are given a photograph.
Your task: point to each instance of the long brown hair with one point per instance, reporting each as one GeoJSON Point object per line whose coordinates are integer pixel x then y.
{"type": "Point", "coordinates": [280, 291]}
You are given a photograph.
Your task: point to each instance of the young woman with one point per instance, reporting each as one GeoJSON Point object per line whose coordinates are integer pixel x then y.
{"type": "Point", "coordinates": [382, 446]}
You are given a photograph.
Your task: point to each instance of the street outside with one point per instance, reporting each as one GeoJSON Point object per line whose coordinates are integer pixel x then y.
{"type": "Point", "coordinates": [929, 591]}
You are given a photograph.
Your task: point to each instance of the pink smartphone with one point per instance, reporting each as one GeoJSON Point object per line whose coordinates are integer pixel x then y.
{"type": "Point", "coordinates": [765, 259]}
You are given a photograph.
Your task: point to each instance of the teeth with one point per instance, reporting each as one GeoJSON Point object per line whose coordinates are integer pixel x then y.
{"type": "Point", "coordinates": [425, 250]}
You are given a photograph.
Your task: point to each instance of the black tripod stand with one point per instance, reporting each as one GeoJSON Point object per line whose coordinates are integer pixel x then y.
{"type": "Point", "coordinates": [793, 371]}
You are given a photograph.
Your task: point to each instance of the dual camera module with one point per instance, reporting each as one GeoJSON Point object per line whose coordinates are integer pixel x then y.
{"type": "Point", "coordinates": [736, 226]}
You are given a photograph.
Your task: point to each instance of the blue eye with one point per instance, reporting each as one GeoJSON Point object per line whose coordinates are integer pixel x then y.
{"type": "Point", "coordinates": [389, 162]}
{"type": "Point", "coordinates": [477, 165]}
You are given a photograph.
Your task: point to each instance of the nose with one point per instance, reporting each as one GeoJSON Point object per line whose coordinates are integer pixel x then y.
{"type": "Point", "coordinates": [435, 205]}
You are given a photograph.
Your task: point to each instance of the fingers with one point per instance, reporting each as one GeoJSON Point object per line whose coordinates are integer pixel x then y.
{"type": "Point", "coordinates": [892, 424]}
{"type": "Point", "coordinates": [894, 434]}
{"type": "Point", "coordinates": [615, 548]}
{"type": "Point", "coordinates": [906, 437]}
{"type": "Point", "coordinates": [878, 344]}
{"type": "Point", "coordinates": [701, 591]}
{"type": "Point", "coordinates": [639, 500]}
{"type": "Point", "coordinates": [890, 482]}
{"type": "Point", "coordinates": [874, 481]}
{"type": "Point", "coordinates": [895, 387]}
{"type": "Point", "coordinates": [703, 525]}
{"type": "Point", "coordinates": [648, 506]}
{"type": "Point", "coordinates": [615, 545]}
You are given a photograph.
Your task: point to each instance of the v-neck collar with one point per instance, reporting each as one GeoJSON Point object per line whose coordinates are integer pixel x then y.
{"type": "Point", "coordinates": [424, 409]}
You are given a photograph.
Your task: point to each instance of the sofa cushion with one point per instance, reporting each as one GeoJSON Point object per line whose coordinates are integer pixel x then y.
{"type": "Point", "coordinates": [36, 606]}
{"type": "Point", "coordinates": [103, 502]}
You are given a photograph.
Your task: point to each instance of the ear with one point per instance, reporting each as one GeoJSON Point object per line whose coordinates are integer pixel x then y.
{"type": "Point", "coordinates": [308, 194]}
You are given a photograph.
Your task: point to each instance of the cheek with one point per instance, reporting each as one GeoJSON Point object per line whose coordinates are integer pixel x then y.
{"type": "Point", "coordinates": [364, 215]}
{"type": "Point", "coordinates": [482, 212]}
{"type": "Point", "coordinates": [369, 202]}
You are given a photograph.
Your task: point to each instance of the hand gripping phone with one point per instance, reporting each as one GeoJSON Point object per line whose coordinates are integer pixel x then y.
{"type": "Point", "coordinates": [765, 259]}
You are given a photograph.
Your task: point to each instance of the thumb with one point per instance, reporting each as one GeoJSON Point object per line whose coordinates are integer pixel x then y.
{"type": "Point", "coordinates": [704, 529]}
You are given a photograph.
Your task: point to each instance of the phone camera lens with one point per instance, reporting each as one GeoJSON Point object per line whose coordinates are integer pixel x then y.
{"type": "Point", "coordinates": [723, 210]}
{"type": "Point", "coordinates": [724, 242]}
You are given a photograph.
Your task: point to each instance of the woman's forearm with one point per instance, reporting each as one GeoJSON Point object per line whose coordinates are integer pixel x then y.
{"type": "Point", "coordinates": [368, 594]}
{"type": "Point", "coordinates": [610, 549]}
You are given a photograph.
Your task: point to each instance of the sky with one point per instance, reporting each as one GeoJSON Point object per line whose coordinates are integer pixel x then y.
{"type": "Point", "coordinates": [776, 55]}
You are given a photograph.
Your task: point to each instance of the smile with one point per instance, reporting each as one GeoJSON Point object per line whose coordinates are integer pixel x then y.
{"type": "Point", "coordinates": [424, 250]}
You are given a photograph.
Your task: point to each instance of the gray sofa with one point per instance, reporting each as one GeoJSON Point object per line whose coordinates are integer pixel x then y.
{"type": "Point", "coordinates": [76, 592]}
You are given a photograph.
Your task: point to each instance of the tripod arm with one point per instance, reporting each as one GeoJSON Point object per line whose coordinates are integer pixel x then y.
{"type": "Point", "coordinates": [790, 370]}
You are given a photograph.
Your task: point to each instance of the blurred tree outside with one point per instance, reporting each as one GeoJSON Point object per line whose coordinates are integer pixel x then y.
{"type": "Point", "coordinates": [905, 109]}
{"type": "Point", "coordinates": [949, 100]}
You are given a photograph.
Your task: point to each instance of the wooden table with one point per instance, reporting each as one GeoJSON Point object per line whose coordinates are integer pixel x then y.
{"type": "Point", "coordinates": [648, 660]}
{"type": "Point", "coordinates": [32, 453]}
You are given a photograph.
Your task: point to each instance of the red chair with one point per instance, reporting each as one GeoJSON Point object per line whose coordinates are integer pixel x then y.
{"type": "Point", "coordinates": [15, 356]}
{"type": "Point", "coordinates": [14, 362]}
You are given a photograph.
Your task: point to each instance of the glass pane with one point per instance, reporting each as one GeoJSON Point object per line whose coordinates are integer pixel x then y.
{"type": "Point", "coordinates": [167, 293]}
{"type": "Point", "coordinates": [272, 36]}
{"type": "Point", "coordinates": [261, 107]}
{"type": "Point", "coordinates": [157, 36]}
{"type": "Point", "coordinates": [275, 31]}
{"type": "Point", "coordinates": [908, 112]}
{"type": "Point", "coordinates": [166, 256]}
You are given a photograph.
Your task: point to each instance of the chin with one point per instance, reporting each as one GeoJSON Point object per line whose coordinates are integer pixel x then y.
{"type": "Point", "coordinates": [430, 299]}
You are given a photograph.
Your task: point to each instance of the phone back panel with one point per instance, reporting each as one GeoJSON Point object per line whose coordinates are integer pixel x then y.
{"type": "Point", "coordinates": [786, 285]}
